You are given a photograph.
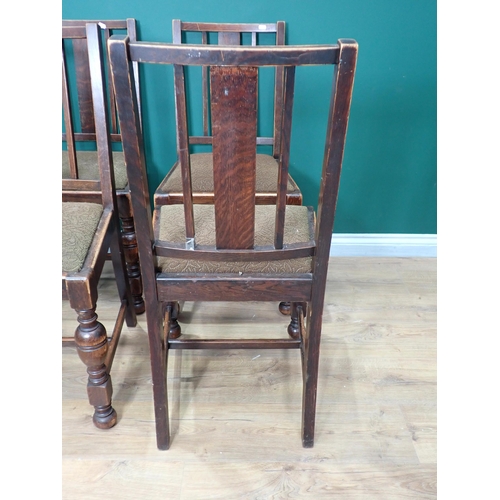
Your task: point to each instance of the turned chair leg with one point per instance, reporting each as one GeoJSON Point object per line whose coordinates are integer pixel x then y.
{"type": "Point", "coordinates": [92, 346]}
{"type": "Point", "coordinates": [129, 241]}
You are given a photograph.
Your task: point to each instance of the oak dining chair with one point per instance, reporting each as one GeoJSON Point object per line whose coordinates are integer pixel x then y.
{"type": "Point", "coordinates": [89, 229]}
{"type": "Point", "coordinates": [234, 249]}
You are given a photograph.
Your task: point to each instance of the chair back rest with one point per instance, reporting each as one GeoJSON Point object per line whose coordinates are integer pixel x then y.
{"type": "Point", "coordinates": [88, 36]}
{"type": "Point", "coordinates": [233, 85]}
{"type": "Point", "coordinates": [233, 34]}
{"type": "Point", "coordinates": [79, 122]}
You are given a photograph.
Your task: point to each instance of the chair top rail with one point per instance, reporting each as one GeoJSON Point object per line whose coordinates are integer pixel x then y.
{"type": "Point", "coordinates": [74, 31]}
{"type": "Point", "coordinates": [217, 55]}
{"type": "Point", "coordinates": [109, 24]}
{"type": "Point", "coordinates": [230, 27]}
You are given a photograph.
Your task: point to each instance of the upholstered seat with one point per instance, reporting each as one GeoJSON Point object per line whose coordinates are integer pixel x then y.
{"type": "Point", "coordinates": [202, 176]}
{"type": "Point", "coordinates": [79, 224]}
{"type": "Point", "coordinates": [170, 227]}
{"type": "Point", "coordinates": [88, 168]}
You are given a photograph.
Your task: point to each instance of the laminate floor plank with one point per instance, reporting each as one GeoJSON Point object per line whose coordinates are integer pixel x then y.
{"type": "Point", "coordinates": [236, 414]}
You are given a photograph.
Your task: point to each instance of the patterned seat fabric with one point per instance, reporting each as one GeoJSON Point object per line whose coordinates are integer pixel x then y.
{"type": "Point", "coordinates": [79, 223]}
{"type": "Point", "coordinates": [172, 229]}
{"type": "Point", "coordinates": [88, 169]}
{"type": "Point", "coordinates": [203, 177]}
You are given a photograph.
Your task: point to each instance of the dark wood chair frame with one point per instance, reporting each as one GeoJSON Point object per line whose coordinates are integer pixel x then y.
{"type": "Point", "coordinates": [90, 191]}
{"type": "Point", "coordinates": [230, 34]}
{"type": "Point", "coordinates": [305, 291]}
{"type": "Point", "coordinates": [94, 348]}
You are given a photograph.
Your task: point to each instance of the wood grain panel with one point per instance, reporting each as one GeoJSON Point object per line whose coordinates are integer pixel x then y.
{"type": "Point", "coordinates": [234, 130]}
{"type": "Point", "coordinates": [81, 57]}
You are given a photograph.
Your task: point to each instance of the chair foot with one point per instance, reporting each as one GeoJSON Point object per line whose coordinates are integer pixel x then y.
{"type": "Point", "coordinates": [285, 308]}
{"type": "Point", "coordinates": [308, 443]}
{"type": "Point", "coordinates": [175, 329]}
{"type": "Point", "coordinates": [139, 305]}
{"type": "Point", "coordinates": [104, 417]}
{"type": "Point", "coordinates": [294, 326]}
{"type": "Point", "coordinates": [294, 329]}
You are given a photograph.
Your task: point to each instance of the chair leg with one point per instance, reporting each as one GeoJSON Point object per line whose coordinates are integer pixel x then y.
{"type": "Point", "coordinates": [310, 375]}
{"type": "Point", "coordinates": [129, 242]}
{"type": "Point", "coordinates": [158, 349]}
{"type": "Point", "coordinates": [92, 347]}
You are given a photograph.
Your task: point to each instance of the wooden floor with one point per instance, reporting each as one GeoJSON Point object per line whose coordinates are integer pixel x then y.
{"type": "Point", "coordinates": [236, 414]}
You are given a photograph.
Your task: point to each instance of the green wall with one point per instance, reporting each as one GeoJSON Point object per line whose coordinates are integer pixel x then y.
{"type": "Point", "coordinates": [388, 181]}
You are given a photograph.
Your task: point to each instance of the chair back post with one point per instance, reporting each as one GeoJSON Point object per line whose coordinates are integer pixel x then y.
{"type": "Point", "coordinates": [332, 166]}
{"type": "Point", "coordinates": [278, 93]}
{"type": "Point", "coordinates": [103, 140]}
{"type": "Point", "coordinates": [334, 150]}
{"type": "Point", "coordinates": [130, 126]}
{"type": "Point", "coordinates": [133, 148]}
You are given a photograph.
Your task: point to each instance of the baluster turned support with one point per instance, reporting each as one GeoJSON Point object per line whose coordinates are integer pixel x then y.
{"type": "Point", "coordinates": [294, 326]}
{"type": "Point", "coordinates": [92, 346]}
{"type": "Point", "coordinates": [175, 329]}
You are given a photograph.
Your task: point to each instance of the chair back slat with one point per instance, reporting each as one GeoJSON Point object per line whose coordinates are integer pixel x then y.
{"type": "Point", "coordinates": [278, 89]}
{"type": "Point", "coordinates": [111, 92]}
{"type": "Point", "coordinates": [81, 58]}
{"type": "Point", "coordinates": [284, 154]}
{"type": "Point", "coordinates": [234, 129]}
{"type": "Point", "coordinates": [229, 38]}
{"type": "Point", "coordinates": [204, 89]}
{"type": "Point", "coordinates": [183, 150]}
{"type": "Point", "coordinates": [68, 119]}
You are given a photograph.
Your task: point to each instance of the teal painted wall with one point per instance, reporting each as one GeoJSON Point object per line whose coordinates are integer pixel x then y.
{"type": "Point", "coordinates": [389, 175]}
